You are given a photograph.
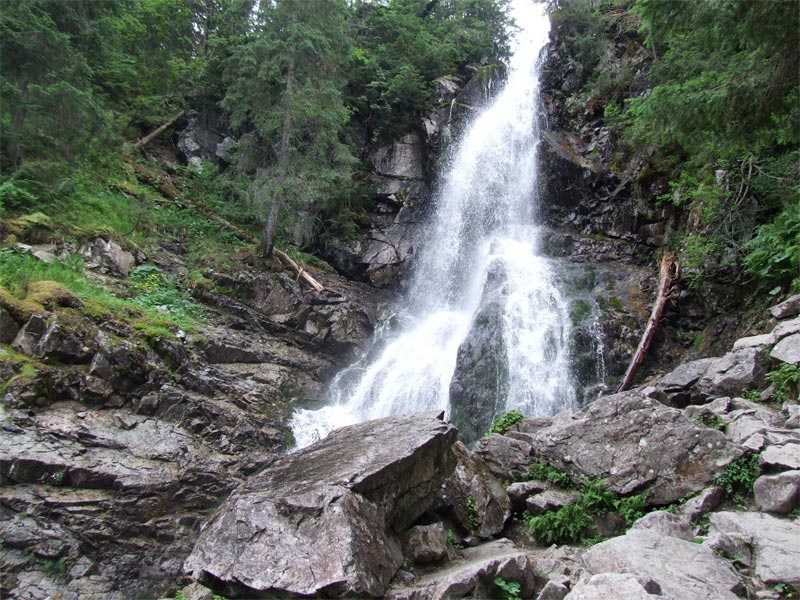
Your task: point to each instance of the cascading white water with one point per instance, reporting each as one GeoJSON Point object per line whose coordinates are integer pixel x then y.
{"type": "Point", "coordinates": [484, 220]}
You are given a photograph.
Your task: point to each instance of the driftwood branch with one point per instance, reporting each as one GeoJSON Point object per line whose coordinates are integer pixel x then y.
{"type": "Point", "coordinates": [168, 189]}
{"type": "Point", "coordinates": [668, 275]}
{"type": "Point", "coordinates": [301, 272]}
{"type": "Point", "coordinates": [154, 134]}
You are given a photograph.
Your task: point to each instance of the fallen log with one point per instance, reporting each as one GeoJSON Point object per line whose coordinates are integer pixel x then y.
{"type": "Point", "coordinates": [301, 272]}
{"type": "Point", "coordinates": [166, 187]}
{"type": "Point", "coordinates": [154, 134]}
{"type": "Point", "coordinates": [668, 276]}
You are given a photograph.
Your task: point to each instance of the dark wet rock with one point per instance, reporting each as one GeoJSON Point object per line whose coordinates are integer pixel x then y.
{"type": "Point", "coordinates": [322, 521]}
{"type": "Point", "coordinates": [778, 493]}
{"type": "Point", "coordinates": [645, 444]}
{"type": "Point", "coordinates": [136, 488]}
{"type": "Point", "coordinates": [508, 459]}
{"type": "Point", "coordinates": [64, 344]}
{"type": "Point", "coordinates": [8, 327]}
{"type": "Point", "coordinates": [426, 544]}
{"type": "Point", "coordinates": [473, 575]}
{"type": "Point", "coordinates": [123, 364]}
{"type": "Point", "coordinates": [679, 568]}
{"type": "Point", "coordinates": [28, 337]}
{"type": "Point", "coordinates": [481, 375]}
{"type": "Point", "coordinates": [474, 494]}
{"type": "Point", "coordinates": [774, 543]}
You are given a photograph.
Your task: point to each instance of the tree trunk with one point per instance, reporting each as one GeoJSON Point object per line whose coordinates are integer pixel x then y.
{"type": "Point", "coordinates": [271, 225]}
{"type": "Point", "coordinates": [668, 275]}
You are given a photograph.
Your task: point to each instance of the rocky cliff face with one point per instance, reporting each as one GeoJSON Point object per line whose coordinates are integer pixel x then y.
{"type": "Point", "coordinates": [116, 446]}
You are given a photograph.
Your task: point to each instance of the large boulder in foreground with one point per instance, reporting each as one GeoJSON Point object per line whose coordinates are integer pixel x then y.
{"type": "Point", "coordinates": [321, 522]}
{"type": "Point", "coordinates": [634, 443]}
{"type": "Point", "coordinates": [666, 565]}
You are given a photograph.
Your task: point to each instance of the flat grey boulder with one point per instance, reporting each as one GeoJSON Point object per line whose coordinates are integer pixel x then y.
{"type": "Point", "coordinates": [664, 523]}
{"type": "Point", "coordinates": [549, 500]}
{"type": "Point", "coordinates": [634, 442]}
{"type": "Point", "coordinates": [774, 543]}
{"type": "Point", "coordinates": [668, 565]}
{"type": "Point", "coordinates": [778, 493]}
{"type": "Point", "coordinates": [733, 373]}
{"type": "Point", "coordinates": [788, 350]}
{"type": "Point", "coordinates": [788, 308]}
{"type": "Point", "coordinates": [473, 575]}
{"type": "Point", "coordinates": [321, 522]}
{"type": "Point", "coordinates": [619, 586]}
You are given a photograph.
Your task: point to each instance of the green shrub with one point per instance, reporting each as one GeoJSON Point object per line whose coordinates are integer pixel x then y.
{"type": "Point", "coordinates": [509, 590]}
{"type": "Point", "coordinates": [505, 421]}
{"type": "Point", "coordinates": [785, 379]}
{"type": "Point", "coordinates": [738, 478]}
{"type": "Point", "coordinates": [632, 508]}
{"type": "Point", "coordinates": [570, 523]}
{"type": "Point", "coordinates": [543, 471]}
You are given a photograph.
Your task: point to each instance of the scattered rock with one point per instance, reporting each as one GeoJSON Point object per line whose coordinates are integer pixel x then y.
{"type": "Point", "coordinates": [778, 493]}
{"type": "Point", "coordinates": [426, 544]}
{"type": "Point", "coordinates": [195, 591]}
{"type": "Point", "coordinates": [787, 350]}
{"type": "Point", "coordinates": [643, 442]}
{"type": "Point", "coordinates": [675, 388]}
{"type": "Point", "coordinates": [553, 590]}
{"type": "Point", "coordinates": [108, 257]}
{"type": "Point", "coordinates": [754, 341]}
{"type": "Point", "coordinates": [775, 543]}
{"type": "Point", "coordinates": [474, 494]}
{"type": "Point", "coordinates": [679, 568]}
{"type": "Point", "coordinates": [704, 502]}
{"type": "Point", "coordinates": [473, 575]}
{"type": "Point", "coordinates": [322, 520]}
{"type": "Point", "coordinates": [508, 459]}
{"type": "Point", "coordinates": [788, 308]}
{"type": "Point", "coordinates": [30, 334]}
{"type": "Point", "coordinates": [784, 456]}
{"type": "Point", "coordinates": [549, 500]}
{"type": "Point", "coordinates": [619, 586]}
{"type": "Point", "coordinates": [733, 373]}
{"type": "Point", "coordinates": [793, 412]}
{"type": "Point", "coordinates": [519, 492]}
{"type": "Point", "coordinates": [667, 524]}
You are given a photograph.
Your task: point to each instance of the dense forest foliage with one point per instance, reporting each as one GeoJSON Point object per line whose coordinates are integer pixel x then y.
{"type": "Point", "coordinates": [310, 88]}
{"type": "Point", "coordinates": [306, 86]}
{"type": "Point", "coordinates": [712, 110]}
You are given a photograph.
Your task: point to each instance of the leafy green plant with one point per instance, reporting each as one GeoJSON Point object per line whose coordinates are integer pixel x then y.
{"type": "Point", "coordinates": [509, 590]}
{"type": "Point", "coordinates": [739, 476]}
{"type": "Point", "coordinates": [786, 590]}
{"type": "Point", "coordinates": [472, 514]}
{"type": "Point", "coordinates": [785, 379]}
{"type": "Point", "coordinates": [505, 421]}
{"type": "Point", "coordinates": [710, 420]}
{"type": "Point", "coordinates": [633, 507]}
{"type": "Point", "coordinates": [543, 471]}
{"type": "Point", "coordinates": [570, 523]}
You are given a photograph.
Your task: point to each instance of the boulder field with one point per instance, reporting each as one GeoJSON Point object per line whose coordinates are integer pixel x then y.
{"type": "Point", "coordinates": [687, 501]}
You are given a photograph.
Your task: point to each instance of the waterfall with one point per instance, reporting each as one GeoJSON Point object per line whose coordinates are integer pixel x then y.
{"type": "Point", "coordinates": [480, 283]}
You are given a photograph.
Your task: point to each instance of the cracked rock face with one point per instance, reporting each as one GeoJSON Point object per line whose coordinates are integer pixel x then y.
{"type": "Point", "coordinates": [323, 521]}
{"type": "Point", "coordinates": [634, 442]}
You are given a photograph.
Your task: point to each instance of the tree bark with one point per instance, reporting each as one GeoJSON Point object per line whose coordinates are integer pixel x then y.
{"type": "Point", "coordinates": [668, 274]}
{"type": "Point", "coordinates": [153, 135]}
